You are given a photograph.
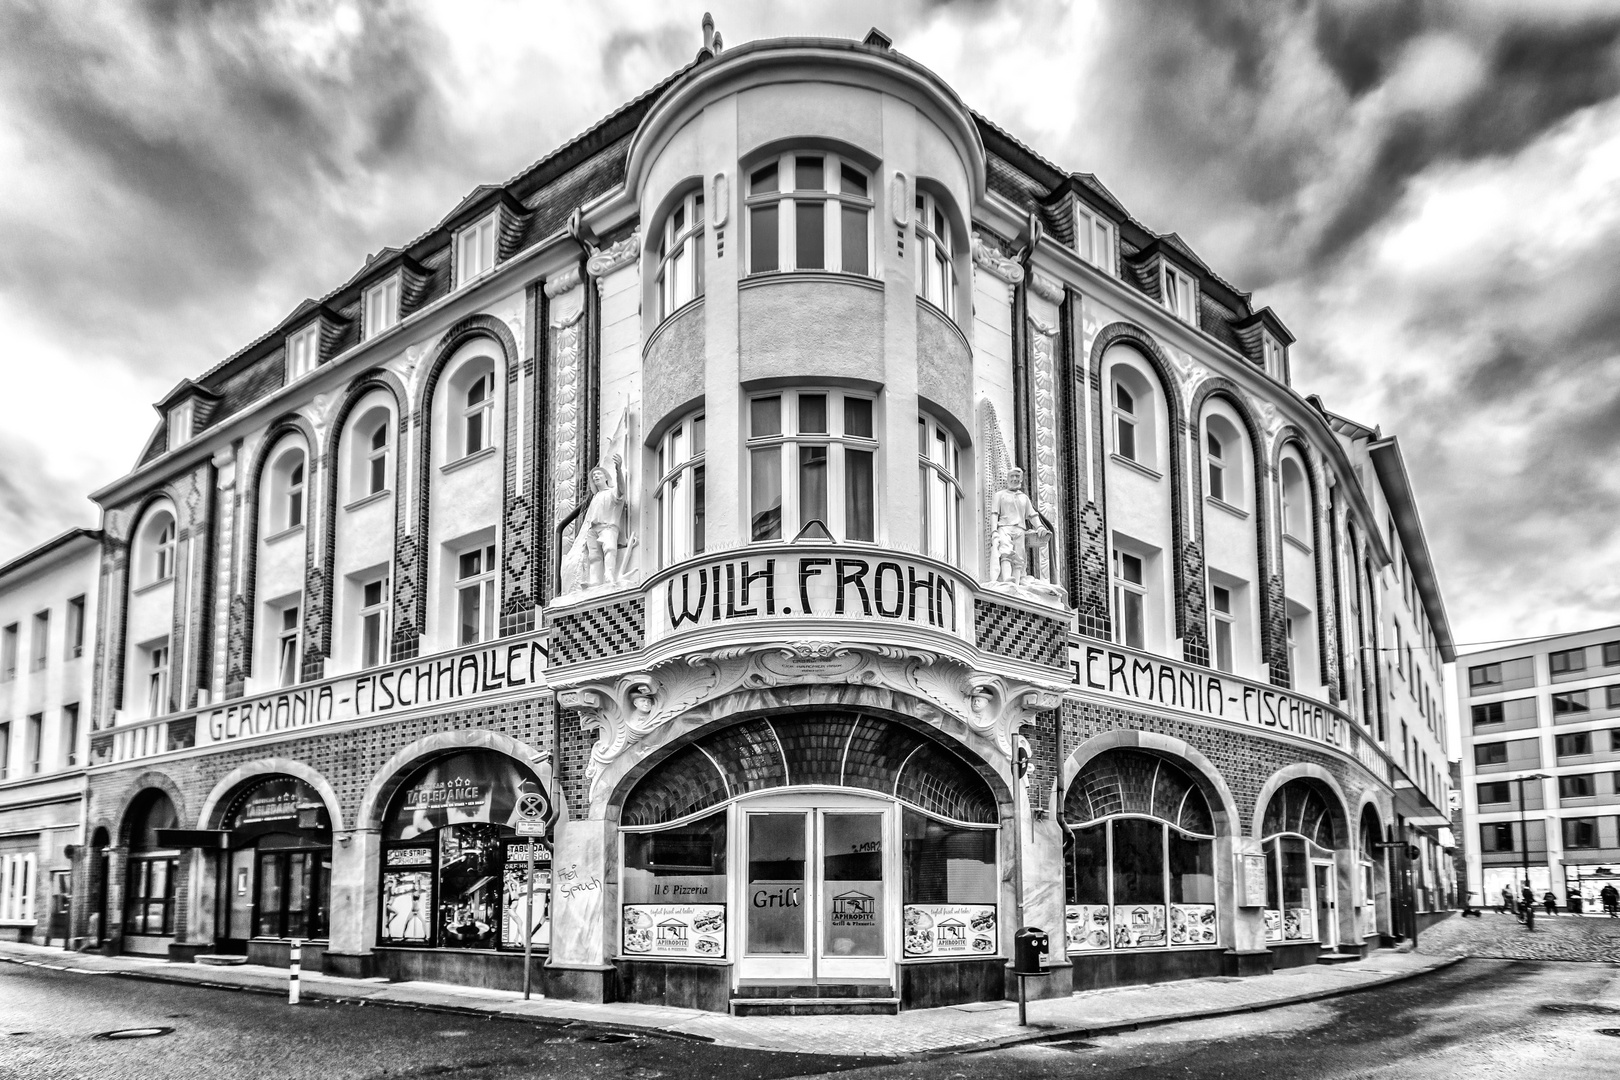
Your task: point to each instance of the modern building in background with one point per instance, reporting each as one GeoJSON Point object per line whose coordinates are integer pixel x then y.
{"type": "Point", "coordinates": [1541, 765]}
{"type": "Point", "coordinates": [48, 614]}
{"type": "Point", "coordinates": [865, 537]}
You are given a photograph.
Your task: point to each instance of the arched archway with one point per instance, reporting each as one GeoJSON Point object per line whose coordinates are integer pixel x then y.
{"type": "Point", "coordinates": [1308, 841]}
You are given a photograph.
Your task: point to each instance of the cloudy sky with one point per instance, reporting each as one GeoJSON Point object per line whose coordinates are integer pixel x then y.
{"type": "Point", "coordinates": [1428, 192]}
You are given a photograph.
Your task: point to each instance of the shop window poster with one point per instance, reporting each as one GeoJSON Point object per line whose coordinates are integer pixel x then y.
{"type": "Point", "coordinates": [515, 899]}
{"type": "Point", "coordinates": [690, 930]}
{"type": "Point", "coordinates": [1274, 924]}
{"type": "Point", "coordinates": [1192, 924]}
{"type": "Point", "coordinates": [949, 930]}
{"type": "Point", "coordinates": [1088, 927]}
{"type": "Point", "coordinates": [1297, 924]}
{"type": "Point", "coordinates": [407, 906]}
{"type": "Point", "coordinates": [1139, 926]}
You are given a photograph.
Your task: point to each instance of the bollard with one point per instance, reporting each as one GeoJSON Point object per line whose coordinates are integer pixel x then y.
{"type": "Point", "coordinates": [292, 971]}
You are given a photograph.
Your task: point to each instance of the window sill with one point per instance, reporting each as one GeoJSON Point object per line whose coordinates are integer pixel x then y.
{"type": "Point", "coordinates": [151, 585]}
{"type": "Point", "coordinates": [375, 496]}
{"type": "Point", "coordinates": [1235, 511]}
{"type": "Point", "coordinates": [291, 530]}
{"type": "Point", "coordinates": [1150, 473]}
{"type": "Point", "coordinates": [1290, 538]}
{"type": "Point", "coordinates": [767, 277]}
{"type": "Point", "coordinates": [468, 461]}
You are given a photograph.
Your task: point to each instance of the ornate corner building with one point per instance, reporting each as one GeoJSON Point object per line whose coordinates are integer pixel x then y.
{"type": "Point", "coordinates": [866, 539]}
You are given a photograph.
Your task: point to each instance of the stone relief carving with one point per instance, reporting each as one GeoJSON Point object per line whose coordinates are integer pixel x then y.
{"type": "Point", "coordinates": [992, 260]}
{"type": "Point", "coordinates": [562, 282]}
{"type": "Point", "coordinates": [609, 259]}
{"type": "Point", "coordinates": [566, 407]}
{"type": "Point", "coordinates": [1046, 288]}
{"type": "Point", "coordinates": [1044, 372]}
{"type": "Point", "coordinates": [631, 712]}
{"type": "Point", "coordinates": [1189, 371]}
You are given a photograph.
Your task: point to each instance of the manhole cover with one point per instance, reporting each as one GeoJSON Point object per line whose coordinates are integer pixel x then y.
{"type": "Point", "coordinates": [609, 1037]}
{"type": "Point", "coordinates": [135, 1033]}
{"type": "Point", "coordinates": [1073, 1044]}
{"type": "Point", "coordinates": [1609, 1031]}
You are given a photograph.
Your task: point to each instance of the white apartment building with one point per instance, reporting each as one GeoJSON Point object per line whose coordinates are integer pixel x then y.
{"type": "Point", "coordinates": [1543, 717]}
{"type": "Point", "coordinates": [47, 629]}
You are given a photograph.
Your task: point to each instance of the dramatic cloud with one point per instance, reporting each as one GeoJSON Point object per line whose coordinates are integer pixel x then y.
{"type": "Point", "coordinates": [1427, 191]}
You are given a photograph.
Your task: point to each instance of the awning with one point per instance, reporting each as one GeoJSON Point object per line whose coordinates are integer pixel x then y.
{"type": "Point", "coordinates": [1417, 808]}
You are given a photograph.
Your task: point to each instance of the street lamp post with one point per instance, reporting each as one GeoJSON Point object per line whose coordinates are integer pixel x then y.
{"type": "Point", "coordinates": [1524, 833]}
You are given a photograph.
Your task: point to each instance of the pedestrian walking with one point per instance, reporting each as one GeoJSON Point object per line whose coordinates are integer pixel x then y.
{"type": "Point", "coordinates": [1575, 903]}
{"type": "Point", "coordinates": [1507, 900]}
{"type": "Point", "coordinates": [1611, 901]}
{"type": "Point", "coordinates": [1551, 903]}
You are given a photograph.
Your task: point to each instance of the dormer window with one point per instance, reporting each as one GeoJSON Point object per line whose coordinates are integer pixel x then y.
{"type": "Point", "coordinates": [1094, 239]}
{"type": "Point", "coordinates": [180, 424]}
{"type": "Point", "coordinates": [303, 351]}
{"type": "Point", "coordinates": [1271, 352]}
{"type": "Point", "coordinates": [1177, 291]}
{"type": "Point", "coordinates": [382, 306]}
{"type": "Point", "coordinates": [475, 249]}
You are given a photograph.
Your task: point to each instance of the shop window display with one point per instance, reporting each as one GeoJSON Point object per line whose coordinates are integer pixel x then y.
{"type": "Point", "coordinates": [674, 888]}
{"type": "Point", "coordinates": [454, 872]}
{"type": "Point", "coordinates": [1297, 828]}
{"type": "Point", "coordinates": [1140, 857]}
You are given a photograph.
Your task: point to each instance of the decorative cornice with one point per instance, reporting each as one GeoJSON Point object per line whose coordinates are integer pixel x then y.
{"type": "Point", "coordinates": [563, 282]}
{"type": "Point", "coordinates": [1045, 287]}
{"type": "Point", "coordinates": [611, 258]}
{"type": "Point", "coordinates": [995, 262]}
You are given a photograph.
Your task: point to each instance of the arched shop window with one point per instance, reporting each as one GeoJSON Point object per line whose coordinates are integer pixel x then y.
{"type": "Point", "coordinates": [149, 894]}
{"type": "Point", "coordinates": [1370, 855]}
{"type": "Point", "coordinates": [1140, 856]}
{"type": "Point", "coordinates": [833, 780]}
{"type": "Point", "coordinates": [1297, 829]}
{"type": "Point", "coordinates": [453, 868]}
{"type": "Point", "coordinates": [280, 881]}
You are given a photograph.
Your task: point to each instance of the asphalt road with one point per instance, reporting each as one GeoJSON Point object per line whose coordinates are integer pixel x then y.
{"type": "Point", "coordinates": [1480, 1020]}
{"type": "Point", "coordinates": [49, 1020]}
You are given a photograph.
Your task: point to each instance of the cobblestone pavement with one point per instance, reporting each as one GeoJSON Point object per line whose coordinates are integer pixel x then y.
{"type": "Point", "coordinates": [917, 1031]}
{"type": "Point", "coordinates": [1561, 937]}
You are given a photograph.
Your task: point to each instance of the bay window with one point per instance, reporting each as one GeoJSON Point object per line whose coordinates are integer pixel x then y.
{"type": "Point", "coordinates": [681, 493]}
{"type": "Point", "coordinates": [812, 459]}
{"type": "Point", "coordinates": [940, 469]}
{"type": "Point", "coordinates": [809, 211]}
{"type": "Point", "coordinates": [680, 255]}
{"type": "Point", "coordinates": [936, 274]}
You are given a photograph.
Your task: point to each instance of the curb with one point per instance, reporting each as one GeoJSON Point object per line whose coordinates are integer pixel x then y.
{"type": "Point", "coordinates": [1054, 1034]}
{"type": "Point", "coordinates": [1024, 1039]}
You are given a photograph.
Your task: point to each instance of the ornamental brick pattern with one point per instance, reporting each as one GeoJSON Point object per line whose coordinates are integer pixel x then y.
{"type": "Point", "coordinates": [1020, 635]}
{"type": "Point", "coordinates": [614, 629]}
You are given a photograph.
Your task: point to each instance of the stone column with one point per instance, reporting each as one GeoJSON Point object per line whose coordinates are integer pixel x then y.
{"type": "Point", "coordinates": [584, 910]}
{"type": "Point", "coordinates": [353, 910]}
{"type": "Point", "coordinates": [1248, 953]}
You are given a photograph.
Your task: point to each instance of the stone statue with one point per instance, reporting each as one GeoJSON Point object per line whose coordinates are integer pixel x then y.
{"type": "Point", "coordinates": [603, 521]}
{"type": "Point", "coordinates": [1013, 523]}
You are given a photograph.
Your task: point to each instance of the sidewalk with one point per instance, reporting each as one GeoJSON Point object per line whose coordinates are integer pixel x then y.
{"type": "Point", "coordinates": [978, 1026]}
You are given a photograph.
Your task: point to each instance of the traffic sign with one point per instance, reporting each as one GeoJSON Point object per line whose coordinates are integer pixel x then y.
{"type": "Point", "coordinates": [530, 827]}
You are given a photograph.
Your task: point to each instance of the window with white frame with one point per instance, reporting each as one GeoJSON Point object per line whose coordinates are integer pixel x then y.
{"type": "Point", "coordinates": [382, 306]}
{"type": "Point", "coordinates": [475, 595]}
{"type": "Point", "coordinates": [812, 458]}
{"type": "Point", "coordinates": [377, 457]}
{"type": "Point", "coordinates": [303, 351]}
{"type": "Point", "coordinates": [1293, 630]}
{"type": "Point", "coordinates": [287, 634]}
{"type": "Point", "coordinates": [1271, 352]}
{"type": "Point", "coordinates": [163, 548]}
{"type": "Point", "coordinates": [17, 873]}
{"type": "Point", "coordinates": [157, 677]}
{"type": "Point", "coordinates": [936, 272]}
{"type": "Point", "coordinates": [8, 652]}
{"type": "Point", "coordinates": [940, 475]}
{"type": "Point", "coordinates": [1177, 291]}
{"type": "Point", "coordinates": [41, 641]}
{"type": "Point", "coordinates": [180, 423]}
{"type": "Point", "coordinates": [1130, 599]}
{"type": "Point", "coordinates": [1215, 450]}
{"type": "Point", "coordinates": [680, 254]}
{"type": "Point", "coordinates": [478, 415]}
{"type": "Point", "coordinates": [74, 638]}
{"type": "Point", "coordinates": [285, 509]}
{"type": "Point", "coordinates": [373, 623]}
{"type": "Point", "coordinates": [809, 211]}
{"type": "Point", "coordinates": [475, 249]}
{"type": "Point", "coordinates": [1124, 422]}
{"type": "Point", "coordinates": [1222, 630]}
{"type": "Point", "coordinates": [1094, 238]}
{"type": "Point", "coordinates": [70, 734]}
{"type": "Point", "coordinates": [682, 498]}
{"type": "Point", "coordinates": [1296, 501]}
{"type": "Point", "coordinates": [33, 743]}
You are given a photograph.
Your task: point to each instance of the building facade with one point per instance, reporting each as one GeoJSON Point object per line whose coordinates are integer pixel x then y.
{"type": "Point", "coordinates": [1541, 766]}
{"type": "Point", "coordinates": [48, 610]}
{"type": "Point", "coordinates": [861, 536]}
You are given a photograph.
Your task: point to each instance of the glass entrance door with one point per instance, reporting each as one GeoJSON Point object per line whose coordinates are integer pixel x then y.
{"type": "Point", "coordinates": [816, 899]}
{"type": "Point", "coordinates": [1327, 928]}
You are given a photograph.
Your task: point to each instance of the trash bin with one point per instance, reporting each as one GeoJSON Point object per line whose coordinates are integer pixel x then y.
{"type": "Point", "coordinates": [1030, 948]}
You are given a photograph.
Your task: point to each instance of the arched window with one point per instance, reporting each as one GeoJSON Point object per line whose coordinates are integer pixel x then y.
{"type": "Point", "coordinates": [286, 499]}
{"type": "Point", "coordinates": [682, 498]}
{"type": "Point", "coordinates": [936, 272]}
{"type": "Point", "coordinates": [377, 458]}
{"type": "Point", "coordinates": [940, 466]}
{"type": "Point", "coordinates": [1134, 408]}
{"type": "Point", "coordinates": [680, 254]}
{"type": "Point", "coordinates": [163, 549]}
{"type": "Point", "coordinates": [1296, 501]}
{"type": "Point", "coordinates": [1124, 422]}
{"type": "Point", "coordinates": [478, 414]}
{"type": "Point", "coordinates": [280, 862]}
{"type": "Point", "coordinates": [809, 211]}
{"type": "Point", "coordinates": [1139, 856]}
{"type": "Point", "coordinates": [1225, 460]}
{"type": "Point", "coordinates": [1301, 880]}
{"type": "Point", "coordinates": [1217, 466]}
{"type": "Point", "coordinates": [153, 867]}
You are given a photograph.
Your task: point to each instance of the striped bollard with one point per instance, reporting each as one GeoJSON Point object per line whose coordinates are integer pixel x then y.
{"type": "Point", "coordinates": [292, 971]}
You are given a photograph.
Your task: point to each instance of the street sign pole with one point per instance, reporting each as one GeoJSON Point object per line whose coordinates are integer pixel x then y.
{"type": "Point", "coordinates": [533, 809]}
{"type": "Point", "coordinates": [528, 918]}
